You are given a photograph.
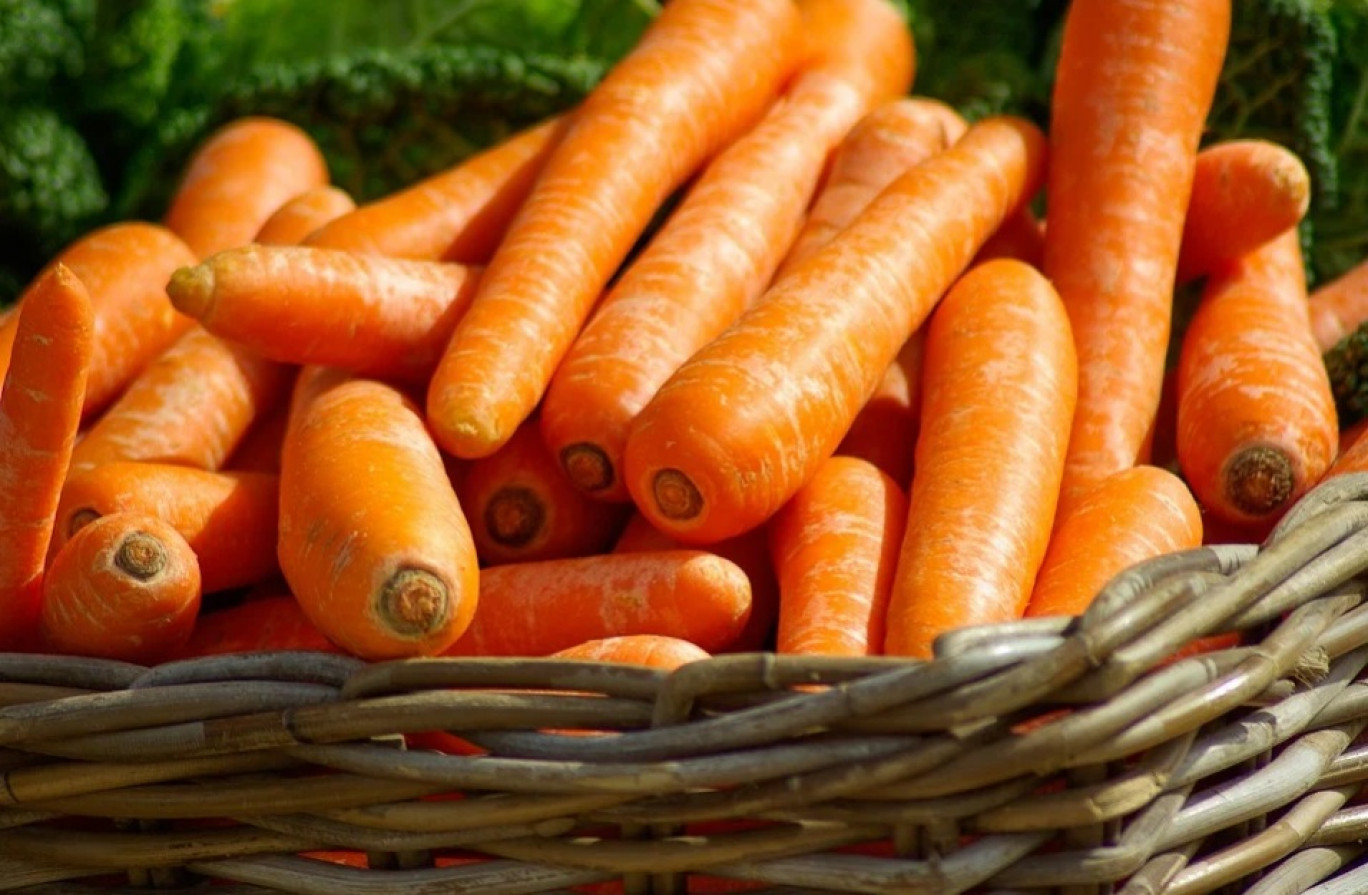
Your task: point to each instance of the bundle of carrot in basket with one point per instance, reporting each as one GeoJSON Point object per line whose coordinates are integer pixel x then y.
{"type": "Point", "coordinates": [755, 348]}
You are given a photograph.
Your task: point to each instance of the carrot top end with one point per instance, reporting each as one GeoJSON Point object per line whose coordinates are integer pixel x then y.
{"type": "Point", "coordinates": [588, 467]}
{"type": "Point", "coordinates": [414, 602]}
{"type": "Point", "coordinates": [676, 496]}
{"type": "Point", "coordinates": [141, 556]}
{"type": "Point", "coordinates": [1259, 479]}
{"type": "Point", "coordinates": [191, 290]}
{"type": "Point", "coordinates": [514, 516]}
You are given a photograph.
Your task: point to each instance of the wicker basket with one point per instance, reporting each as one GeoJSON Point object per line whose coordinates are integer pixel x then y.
{"type": "Point", "coordinates": [1072, 757]}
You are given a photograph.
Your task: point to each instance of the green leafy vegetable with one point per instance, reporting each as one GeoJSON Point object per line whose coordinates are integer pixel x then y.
{"type": "Point", "coordinates": [1347, 365]}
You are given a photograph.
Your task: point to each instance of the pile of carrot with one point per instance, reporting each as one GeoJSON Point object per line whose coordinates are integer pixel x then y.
{"type": "Point", "coordinates": [852, 392]}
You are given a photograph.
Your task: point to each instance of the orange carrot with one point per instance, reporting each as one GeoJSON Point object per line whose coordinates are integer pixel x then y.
{"type": "Point", "coordinates": [720, 248]}
{"type": "Point", "coordinates": [1021, 236]}
{"type": "Point", "coordinates": [747, 420]}
{"type": "Point", "coordinates": [885, 430]}
{"type": "Point", "coordinates": [702, 73]}
{"type": "Point", "coordinates": [237, 178]}
{"type": "Point", "coordinates": [649, 650]}
{"type": "Point", "coordinates": [1339, 306]}
{"type": "Point", "coordinates": [1244, 193]}
{"type": "Point", "coordinates": [835, 546]}
{"type": "Point", "coordinates": [459, 214]}
{"type": "Point", "coordinates": [1131, 516]}
{"type": "Point", "coordinates": [538, 608]}
{"type": "Point", "coordinates": [1000, 379]}
{"type": "Point", "coordinates": [521, 507]}
{"type": "Point", "coordinates": [267, 623]}
{"type": "Point", "coordinates": [292, 222]}
{"type": "Point", "coordinates": [229, 519]}
{"type": "Point", "coordinates": [372, 538]}
{"type": "Point", "coordinates": [259, 449]}
{"type": "Point", "coordinates": [1350, 435]}
{"type": "Point", "coordinates": [1257, 424]}
{"type": "Point", "coordinates": [1134, 82]}
{"type": "Point", "coordinates": [126, 587]}
{"type": "Point", "coordinates": [387, 318]}
{"type": "Point", "coordinates": [40, 411]}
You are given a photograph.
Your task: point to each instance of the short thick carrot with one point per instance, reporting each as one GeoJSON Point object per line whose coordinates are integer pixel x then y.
{"type": "Point", "coordinates": [372, 538]}
{"type": "Point", "coordinates": [648, 650]}
{"type": "Point", "coordinates": [126, 587]}
{"type": "Point", "coordinates": [228, 518]}
{"type": "Point", "coordinates": [1000, 383]}
{"type": "Point", "coordinates": [302, 215]}
{"type": "Point", "coordinates": [236, 180]}
{"type": "Point", "coordinates": [1339, 306]}
{"type": "Point", "coordinates": [267, 623]}
{"type": "Point", "coordinates": [387, 318]}
{"type": "Point", "coordinates": [810, 352]}
{"type": "Point", "coordinates": [459, 214]}
{"type": "Point", "coordinates": [538, 608]}
{"type": "Point", "coordinates": [1257, 424]}
{"type": "Point", "coordinates": [835, 546]}
{"type": "Point", "coordinates": [702, 74]}
{"type": "Point", "coordinates": [1134, 515]}
{"type": "Point", "coordinates": [40, 412]}
{"type": "Point", "coordinates": [1133, 86]}
{"type": "Point", "coordinates": [885, 430]}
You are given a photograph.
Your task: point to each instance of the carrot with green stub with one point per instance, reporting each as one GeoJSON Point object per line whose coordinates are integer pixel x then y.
{"type": "Point", "coordinates": [805, 358]}
{"type": "Point", "coordinates": [701, 74]}
{"type": "Point", "coordinates": [1000, 384]}
{"type": "Point", "coordinates": [646, 650]}
{"type": "Point", "coordinates": [301, 216]}
{"type": "Point", "coordinates": [1339, 306]}
{"type": "Point", "coordinates": [885, 430]}
{"type": "Point", "coordinates": [40, 413]}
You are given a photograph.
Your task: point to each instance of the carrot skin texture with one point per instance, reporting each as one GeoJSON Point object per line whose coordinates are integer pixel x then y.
{"type": "Point", "coordinates": [1339, 306]}
{"type": "Point", "coordinates": [885, 430]}
{"type": "Point", "coordinates": [1000, 384]}
{"type": "Point", "coordinates": [273, 622]}
{"type": "Point", "coordinates": [40, 412]}
{"type": "Point", "coordinates": [1133, 87]}
{"type": "Point", "coordinates": [648, 650]}
{"type": "Point", "coordinates": [259, 450]}
{"type": "Point", "coordinates": [701, 74]}
{"type": "Point", "coordinates": [1134, 515]}
{"type": "Point", "coordinates": [293, 222]}
{"type": "Point", "coordinates": [805, 358]}
{"type": "Point", "coordinates": [1021, 236]}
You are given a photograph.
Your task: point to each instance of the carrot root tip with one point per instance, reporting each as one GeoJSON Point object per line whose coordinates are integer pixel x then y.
{"type": "Point", "coordinates": [587, 466]}
{"type": "Point", "coordinates": [676, 496]}
{"type": "Point", "coordinates": [414, 602]}
{"type": "Point", "coordinates": [514, 516]}
{"type": "Point", "coordinates": [80, 519]}
{"type": "Point", "coordinates": [191, 290]}
{"type": "Point", "coordinates": [141, 556]}
{"type": "Point", "coordinates": [1259, 480]}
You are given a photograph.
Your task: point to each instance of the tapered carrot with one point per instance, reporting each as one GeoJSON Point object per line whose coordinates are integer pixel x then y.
{"type": "Point", "coordinates": [459, 214]}
{"type": "Point", "coordinates": [237, 178]}
{"type": "Point", "coordinates": [810, 352]}
{"type": "Point", "coordinates": [835, 546]}
{"type": "Point", "coordinates": [521, 507]}
{"type": "Point", "coordinates": [720, 248]}
{"type": "Point", "coordinates": [1000, 383]}
{"type": "Point", "coordinates": [381, 317]}
{"type": "Point", "coordinates": [1021, 236]}
{"type": "Point", "coordinates": [648, 650]}
{"type": "Point", "coordinates": [124, 267]}
{"type": "Point", "coordinates": [126, 587]}
{"type": "Point", "coordinates": [268, 623]}
{"type": "Point", "coordinates": [538, 608]}
{"type": "Point", "coordinates": [229, 519]}
{"type": "Point", "coordinates": [1257, 424]}
{"type": "Point", "coordinates": [259, 449]}
{"type": "Point", "coordinates": [1134, 82]}
{"type": "Point", "coordinates": [302, 215]}
{"type": "Point", "coordinates": [40, 412]}
{"type": "Point", "coordinates": [702, 73]}
{"type": "Point", "coordinates": [1339, 306]}
{"type": "Point", "coordinates": [372, 538]}
{"type": "Point", "coordinates": [885, 430]}
{"type": "Point", "coordinates": [1134, 515]}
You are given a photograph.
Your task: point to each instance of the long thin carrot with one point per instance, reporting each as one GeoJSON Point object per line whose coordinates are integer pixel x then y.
{"type": "Point", "coordinates": [1000, 386]}
{"type": "Point", "coordinates": [304, 214]}
{"type": "Point", "coordinates": [648, 650]}
{"type": "Point", "coordinates": [538, 608]}
{"type": "Point", "coordinates": [40, 412]}
{"type": "Point", "coordinates": [126, 587]}
{"type": "Point", "coordinates": [268, 623]}
{"type": "Point", "coordinates": [1134, 515]}
{"type": "Point", "coordinates": [1134, 82]}
{"type": "Point", "coordinates": [459, 214]}
{"type": "Point", "coordinates": [387, 318]}
{"type": "Point", "coordinates": [835, 547]}
{"type": "Point", "coordinates": [1257, 424]}
{"type": "Point", "coordinates": [702, 73]}
{"type": "Point", "coordinates": [372, 538]}
{"type": "Point", "coordinates": [810, 352]}
{"type": "Point", "coordinates": [229, 519]}
{"type": "Point", "coordinates": [1339, 306]}
{"type": "Point", "coordinates": [236, 180]}
{"type": "Point", "coordinates": [885, 430]}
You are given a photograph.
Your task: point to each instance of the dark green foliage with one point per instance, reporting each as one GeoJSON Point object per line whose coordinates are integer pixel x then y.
{"type": "Point", "coordinates": [1347, 364]}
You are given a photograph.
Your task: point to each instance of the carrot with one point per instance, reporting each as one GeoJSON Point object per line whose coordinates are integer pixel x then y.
{"type": "Point", "coordinates": [237, 178]}
{"type": "Point", "coordinates": [192, 405]}
{"type": "Point", "coordinates": [835, 546]}
{"type": "Point", "coordinates": [1350, 435]}
{"type": "Point", "coordinates": [387, 318]}
{"type": "Point", "coordinates": [538, 608]}
{"type": "Point", "coordinates": [40, 411]}
{"type": "Point", "coordinates": [229, 519]}
{"type": "Point", "coordinates": [268, 623]}
{"type": "Point", "coordinates": [521, 507]}
{"type": "Point", "coordinates": [1021, 236]}
{"type": "Point", "coordinates": [885, 430]}
{"type": "Point", "coordinates": [292, 222]}
{"type": "Point", "coordinates": [1161, 445]}
{"type": "Point", "coordinates": [1131, 516]}
{"type": "Point", "coordinates": [1257, 424]}
{"type": "Point", "coordinates": [702, 73]}
{"type": "Point", "coordinates": [126, 587]}
{"type": "Point", "coordinates": [1134, 82]}
{"type": "Point", "coordinates": [459, 214]}
{"type": "Point", "coordinates": [810, 352]}
{"type": "Point", "coordinates": [649, 650]}
{"type": "Point", "coordinates": [372, 538]}
{"type": "Point", "coordinates": [720, 248]}
{"type": "Point", "coordinates": [1000, 387]}
{"type": "Point", "coordinates": [1339, 306]}
{"type": "Point", "coordinates": [1244, 193]}
{"type": "Point", "coordinates": [124, 268]}
{"type": "Point", "coordinates": [259, 449]}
